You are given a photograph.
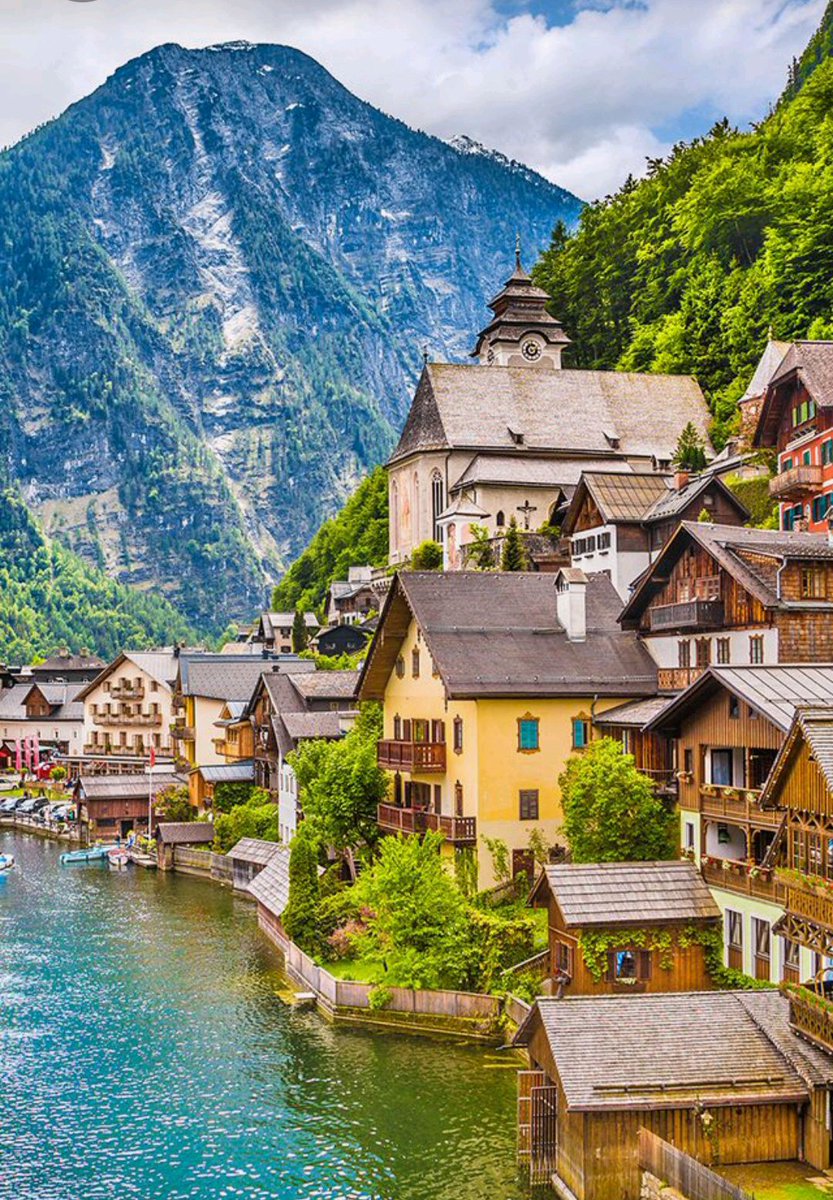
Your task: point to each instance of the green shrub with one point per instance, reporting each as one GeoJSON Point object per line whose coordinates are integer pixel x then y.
{"type": "Point", "coordinates": [300, 919]}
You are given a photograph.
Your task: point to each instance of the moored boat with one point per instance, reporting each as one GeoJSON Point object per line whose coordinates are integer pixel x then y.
{"type": "Point", "coordinates": [118, 859]}
{"type": "Point", "coordinates": [91, 854]}
{"type": "Point", "coordinates": [6, 862]}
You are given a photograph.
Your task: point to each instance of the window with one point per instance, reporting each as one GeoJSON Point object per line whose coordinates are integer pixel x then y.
{"type": "Point", "coordinates": [415, 663]}
{"type": "Point", "coordinates": [458, 799]}
{"type": "Point", "coordinates": [827, 452]}
{"type": "Point", "coordinates": [458, 735]}
{"type": "Point", "coordinates": [581, 733]}
{"type": "Point", "coordinates": [786, 465]}
{"type": "Point", "coordinates": [734, 708]}
{"type": "Point", "coordinates": [604, 541]}
{"type": "Point", "coordinates": [723, 650]}
{"type": "Point", "coordinates": [689, 835]}
{"type": "Point", "coordinates": [806, 458]}
{"type": "Point", "coordinates": [528, 734]}
{"type": "Point", "coordinates": [397, 728]}
{"type": "Point", "coordinates": [790, 969]}
{"type": "Point", "coordinates": [154, 686]}
{"type": "Point", "coordinates": [564, 958]}
{"type": "Point", "coordinates": [703, 650]}
{"type": "Point", "coordinates": [813, 583]}
{"type": "Point", "coordinates": [821, 507]}
{"type": "Point", "coordinates": [734, 929]}
{"type": "Point", "coordinates": [684, 654]}
{"type": "Point", "coordinates": [756, 649]}
{"type": "Point", "coordinates": [437, 503]}
{"type": "Point", "coordinates": [722, 768]}
{"type": "Point", "coordinates": [629, 964]}
{"type": "Point", "coordinates": [762, 935]}
{"type": "Point", "coordinates": [529, 805]}
{"type": "Point", "coordinates": [688, 760]}
{"type": "Point", "coordinates": [400, 667]}
{"type": "Point", "coordinates": [438, 732]}
{"type": "Point", "coordinates": [500, 519]}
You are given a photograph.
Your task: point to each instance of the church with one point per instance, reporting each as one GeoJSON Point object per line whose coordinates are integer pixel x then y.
{"type": "Point", "coordinates": [511, 434]}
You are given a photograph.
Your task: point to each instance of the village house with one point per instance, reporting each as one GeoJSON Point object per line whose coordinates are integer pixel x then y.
{"type": "Point", "coordinates": [335, 640]}
{"type": "Point", "coordinates": [721, 1075]}
{"type": "Point", "coordinates": [286, 708]}
{"type": "Point", "coordinates": [128, 711]}
{"type": "Point", "coordinates": [204, 683]}
{"type": "Point", "coordinates": [728, 727]}
{"type": "Point", "coordinates": [618, 523]}
{"type": "Point", "coordinates": [510, 436]}
{"type": "Point", "coordinates": [801, 785]}
{"type": "Point", "coordinates": [353, 599]}
{"type": "Point", "coordinates": [171, 834]}
{"type": "Point", "coordinates": [113, 806]}
{"type": "Point", "coordinates": [65, 668]}
{"type": "Point", "coordinates": [654, 753]}
{"type": "Point", "coordinates": [794, 416]}
{"type": "Point", "coordinates": [274, 631]}
{"type": "Point", "coordinates": [248, 858]}
{"type": "Point", "coordinates": [489, 682]}
{"type": "Point", "coordinates": [728, 595]}
{"type": "Point", "coordinates": [627, 927]}
{"type": "Point", "coordinates": [48, 713]}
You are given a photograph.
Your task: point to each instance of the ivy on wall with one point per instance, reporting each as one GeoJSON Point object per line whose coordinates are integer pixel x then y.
{"type": "Point", "coordinates": [596, 945]}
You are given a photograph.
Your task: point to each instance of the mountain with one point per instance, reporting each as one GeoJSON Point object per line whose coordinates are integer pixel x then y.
{"type": "Point", "coordinates": [727, 242]}
{"type": "Point", "coordinates": [50, 598]}
{"type": "Point", "coordinates": [217, 276]}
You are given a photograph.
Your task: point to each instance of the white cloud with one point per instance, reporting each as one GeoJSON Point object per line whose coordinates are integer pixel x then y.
{"type": "Point", "coordinates": [583, 102]}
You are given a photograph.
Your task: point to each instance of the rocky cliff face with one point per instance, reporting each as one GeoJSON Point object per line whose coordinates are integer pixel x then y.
{"type": "Point", "coordinates": [217, 276]}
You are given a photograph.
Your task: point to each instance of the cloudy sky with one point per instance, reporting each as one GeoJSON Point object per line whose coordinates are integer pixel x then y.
{"type": "Point", "coordinates": [583, 90]}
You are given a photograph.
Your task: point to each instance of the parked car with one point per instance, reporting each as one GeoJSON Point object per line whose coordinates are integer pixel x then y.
{"type": "Point", "coordinates": [8, 806]}
{"type": "Point", "coordinates": [27, 807]}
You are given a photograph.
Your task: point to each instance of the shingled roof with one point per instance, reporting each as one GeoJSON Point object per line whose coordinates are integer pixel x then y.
{"type": "Point", "coordinates": [128, 787]}
{"type": "Point", "coordinates": [221, 676]}
{"type": "Point", "coordinates": [254, 850]}
{"type": "Point", "coordinates": [811, 362]}
{"type": "Point", "coordinates": [773, 691]}
{"type": "Point", "coordinates": [567, 411]}
{"type": "Point", "coordinates": [271, 886]}
{"type": "Point", "coordinates": [670, 1050]}
{"type": "Point", "coordinates": [592, 895]}
{"type": "Point", "coordinates": [185, 833]}
{"type": "Point", "coordinates": [494, 634]}
{"type": "Point", "coordinates": [326, 685]}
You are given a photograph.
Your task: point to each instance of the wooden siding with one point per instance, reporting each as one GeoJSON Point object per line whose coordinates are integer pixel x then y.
{"type": "Point", "coordinates": [740, 609]}
{"type": "Point", "coordinates": [805, 788]}
{"type": "Point", "coordinates": [805, 636]}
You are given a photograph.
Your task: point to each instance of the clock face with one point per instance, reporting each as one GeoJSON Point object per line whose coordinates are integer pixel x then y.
{"type": "Point", "coordinates": [531, 350]}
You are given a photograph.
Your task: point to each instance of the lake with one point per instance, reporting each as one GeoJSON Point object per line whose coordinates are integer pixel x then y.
{"type": "Point", "coordinates": [145, 1052]}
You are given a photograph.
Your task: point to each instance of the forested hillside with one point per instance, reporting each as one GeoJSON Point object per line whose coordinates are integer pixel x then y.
{"type": "Point", "coordinates": [356, 536]}
{"type": "Point", "coordinates": [50, 598]}
{"type": "Point", "coordinates": [728, 238]}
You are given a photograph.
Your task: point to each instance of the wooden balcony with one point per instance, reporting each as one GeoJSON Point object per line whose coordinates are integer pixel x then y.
{"type": "Point", "coordinates": [745, 879]}
{"type": "Point", "coordinates": [128, 691]}
{"type": "Point", "coordinates": [808, 903]}
{"type": "Point", "coordinates": [393, 819]}
{"type": "Point", "coordinates": [796, 482]}
{"type": "Point", "coordinates": [120, 719]}
{"type": "Point", "coordinates": [674, 679]}
{"type": "Point", "coordinates": [687, 614]}
{"type": "Point", "coordinates": [423, 758]}
{"type": "Point", "coordinates": [183, 733]}
{"type": "Point", "coordinates": [738, 806]}
{"type": "Point", "coordinates": [811, 1015]}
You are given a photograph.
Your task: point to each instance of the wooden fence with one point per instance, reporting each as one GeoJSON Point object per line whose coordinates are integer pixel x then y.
{"type": "Point", "coordinates": [202, 862]}
{"type": "Point", "coordinates": [690, 1177]}
{"type": "Point", "coordinates": [517, 1010]}
{"type": "Point", "coordinates": [339, 994]}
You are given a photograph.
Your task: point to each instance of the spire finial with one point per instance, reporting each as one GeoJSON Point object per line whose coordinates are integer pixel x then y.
{"type": "Point", "coordinates": [518, 249]}
{"type": "Point", "coordinates": [425, 354]}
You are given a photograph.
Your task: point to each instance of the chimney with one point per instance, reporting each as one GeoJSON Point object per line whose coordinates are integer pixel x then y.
{"type": "Point", "coordinates": [571, 602]}
{"type": "Point", "coordinates": [681, 480]}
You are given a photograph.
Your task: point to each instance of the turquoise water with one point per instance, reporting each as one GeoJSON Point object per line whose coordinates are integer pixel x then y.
{"type": "Point", "coordinates": [145, 1053]}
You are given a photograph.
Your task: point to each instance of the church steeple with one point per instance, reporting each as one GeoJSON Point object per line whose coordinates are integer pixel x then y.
{"type": "Point", "coordinates": [522, 333]}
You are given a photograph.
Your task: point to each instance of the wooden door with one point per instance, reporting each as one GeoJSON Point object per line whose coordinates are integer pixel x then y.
{"type": "Point", "coordinates": [543, 1133]}
{"type": "Point", "coordinates": [527, 1080]}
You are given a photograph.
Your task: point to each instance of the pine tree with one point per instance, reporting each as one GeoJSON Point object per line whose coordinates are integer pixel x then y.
{"type": "Point", "coordinates": [690, 454]}
{"type": "Point", "coordinates": [299, 632]}
{"type": "Point", "coordinates": [300, 918]}
{"type": "Point", "coordinates": [513, 557]}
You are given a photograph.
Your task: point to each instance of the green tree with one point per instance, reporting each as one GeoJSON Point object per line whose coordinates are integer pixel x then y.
{"type": "Point", "coordinates": [174, 804]}
{"type": "Point", "coordinates": [420, 929]}
{"type": "Point", "coordinates": [479, 552]}
{"type": "Point", "coordinates": [690, 454]}
{"type": "Point", "coordinates": [499, 853]}
{"type": "Point", "coordinates": [258, 818]}
{"type": "Point", "coordinates": [300, 918]}
{"type": "Point", "coordinates": [611, 811]}
{"type": "Point", "coordinates": [513, 556]}
{"type": "Point", "coordinates": [300, 637]}
{"type": "Point", "coordinates": [340, 784]}
{"type": "Point", "coordinates": [428, 556]}
{"type": "Point", "coordinates": [230, 795]}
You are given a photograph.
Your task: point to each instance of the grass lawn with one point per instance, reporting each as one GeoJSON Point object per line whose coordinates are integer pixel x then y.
{"type": "Point", "coordinates": [778, 1181]}
{"type": "Point", "coordinates": [356, 970]}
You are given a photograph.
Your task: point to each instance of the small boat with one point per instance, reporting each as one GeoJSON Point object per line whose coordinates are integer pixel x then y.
{"type": "Point", "coordinates": [93, 854]}
{"type": "Point", "coordinates": [6, 862]}
{"type": "Point", "coordinates": [118, 859]}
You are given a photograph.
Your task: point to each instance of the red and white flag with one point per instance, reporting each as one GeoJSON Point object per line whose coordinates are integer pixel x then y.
{"type": "Point", "coordinates": [152, 757]}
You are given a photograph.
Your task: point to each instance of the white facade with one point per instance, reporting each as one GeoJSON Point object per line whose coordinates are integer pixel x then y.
{"type": "Point", "coordinates": [596, 551]}
{"type": "Point", "coordinates": [287, 802]}
{"type": "Point", "coordinates": [48, 730]}
{"type": "Point", "coordinates": [129, 710]}
{"type": "Point", "coordinates": [665, 648]}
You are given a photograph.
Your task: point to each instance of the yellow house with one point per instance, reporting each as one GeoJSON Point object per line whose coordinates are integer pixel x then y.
{"type": "Point", "coordinates": [489, 682]}
{"type": "Point", "coordinates": [205, 683]}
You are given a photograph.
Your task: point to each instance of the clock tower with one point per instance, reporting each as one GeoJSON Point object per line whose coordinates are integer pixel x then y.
{"type": "Point", "coordinates": [522, 333]}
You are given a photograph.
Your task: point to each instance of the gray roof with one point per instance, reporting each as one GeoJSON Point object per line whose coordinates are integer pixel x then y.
{"type": "Point", "coordinates": [284, 620]}
{"type": "Point", "coordinates": [626, 496]}
{"type": "Point", "coordinates": [767, 367]}
{"type": "Point", "coordinates": [61, 695]}
{"type": "Point", "coordinates": [270, 887]}
{"type": "Point", "coordinates": [773, 691]}
{"type": "Point", "coordinates": [497, 634]}
{"type": "Point", "coordinates": [236, 772]}
{"type": "Point", "coordinates": [567, 410]}
{"type": "Point", "coordinates": [636, 713]}
{"type": "Point", "coordinates": [611, 894]}
{"type": "Point", "coordinates": [514, 471]}
{"type": "Point", "coordinates": [221, 676]}
{"type": "Point", "coordinates": [326, 685]}
{"type": "Point", "coordinates": [301, 725]}
{"type": "Point", "coordinates": [185, 833]}
{"type": "Point", "coordinates": [770, 1012]}
{"type": "Point", "coordinates": [127, 787]}
{"type": "Point", "coordinates": [161, 665]}
{"type": "Point", "coordinates": [813, 360]}
{"type": "Point", "coordinates": [817, 727]}
{"type": "Point", "coordinates": [68, 662]}
{"type": "Point", "coordinates": [667, 1050]}
{"type": "Point", "coordinates": [254, 850]}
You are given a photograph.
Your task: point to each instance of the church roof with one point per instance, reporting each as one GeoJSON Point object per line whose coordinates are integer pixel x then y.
{"type": "Point", "coordinates": [512, 470]}
{"type": "Point", "coordinates": [767, 367]}
{"type": "Point", "coordinates": [566, 412]}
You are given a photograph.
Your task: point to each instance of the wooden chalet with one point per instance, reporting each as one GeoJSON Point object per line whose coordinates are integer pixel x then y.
{"type": "Point", "coordinates": [203, 781]}
{"type": "Point", "coordinates": [170, 834]}
{"type": "Point", "coordinates": [801, 783]}
{"type": "Point", "coordinates": [113, 806]}
{"type": "Point", "coordinates": [654, 753]}
{"type": "Point", "coordinates": [618, 521]}
{"type": "Point", "coordinates": [642, 914]}
{"type": "Point", "coordinates": [248, 857]}
{"type": "Point", "coordinates": [730, 596]}
{"type": "Point", "coordinates": [720, 1075]}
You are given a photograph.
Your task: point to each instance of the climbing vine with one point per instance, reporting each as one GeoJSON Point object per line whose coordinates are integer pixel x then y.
{"type": "Point", "coordinates": [597, 945]}
{"type": "Point", "coordinates": [726, 978]}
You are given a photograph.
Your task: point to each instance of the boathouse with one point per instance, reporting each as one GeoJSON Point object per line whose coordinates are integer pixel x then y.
{"type": "Point", "coordinates": [270, 888]}
{"type": "Point", "coordinates": [720, 1075]}
{"type": "Point", "coordinates": [170, 834]}
{"type": "Point", "coordinates": [248, 858]}
{"type": "Point", "coordinates": [627, 927]}
{"type": "Point", "coordinates": [113, 806]}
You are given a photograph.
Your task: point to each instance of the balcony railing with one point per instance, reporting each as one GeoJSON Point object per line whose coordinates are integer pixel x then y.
{"type": "Point", "coordinates": [802, 480]}
{"type": "Point", "coordinates": [394, 819]}
{"type": "Point", "coordinates": [183, 733]}
{"type": "Point", "coordinates": [687, 614]}
{"type": "Point", "coordinates": [739, 805]}
{"type": "Point", "coordinates": [128, 691]}
{"type": "Point", "coordinates": [745, 879]}
{"type": "Point", "coordinates": [674, 679]}
{"type": "Point", "coordinates": [808, 901]}
{"type": "Point", "coordinates": [423, 757]}
{"type": "Point", "coordinates": [120, 719]}
{"type": "Point", "coordinates": [811, 1015]}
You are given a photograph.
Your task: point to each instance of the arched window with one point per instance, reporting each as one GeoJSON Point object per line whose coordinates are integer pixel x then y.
{"type": "Point", "coordinates": [500, 519]}
{"type": "Point", "coordinates": [437, 504]}
{"type": "Point", "coordinates": [394, 514]}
